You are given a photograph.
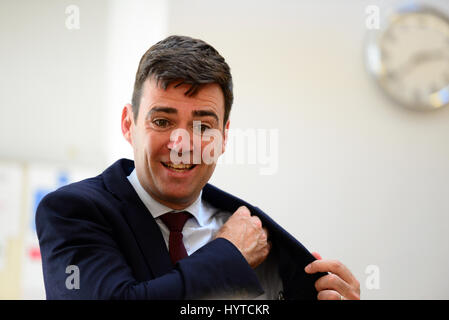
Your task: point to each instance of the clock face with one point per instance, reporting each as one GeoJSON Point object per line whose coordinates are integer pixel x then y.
{"type": "Point", "coordinates": [410, 59]}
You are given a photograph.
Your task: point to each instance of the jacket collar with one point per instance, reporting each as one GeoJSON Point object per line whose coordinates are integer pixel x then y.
{"type": "Point", "coordinates": [143, 225]}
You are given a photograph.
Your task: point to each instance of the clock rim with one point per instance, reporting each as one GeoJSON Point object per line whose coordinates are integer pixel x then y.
{"type": "Point", "coordinates": [374, 63]}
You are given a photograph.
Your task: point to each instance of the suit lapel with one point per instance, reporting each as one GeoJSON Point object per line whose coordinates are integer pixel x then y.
{"type": "Point", "coordinates": [291, 255]}
{"type": "Point", "coordinates": [140, 220]}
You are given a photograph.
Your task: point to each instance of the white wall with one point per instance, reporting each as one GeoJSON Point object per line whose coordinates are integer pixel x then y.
{"type": "Point", "coordinates": [133, 26]}
{"type": "Point", "coordinates": [52, 86]}
{"type": "Point", "coordinates": [52, 92]}
{"type": "Point", "coordinates": [63, 89]}
{"type": "Point", "coordinates": [360, 179]}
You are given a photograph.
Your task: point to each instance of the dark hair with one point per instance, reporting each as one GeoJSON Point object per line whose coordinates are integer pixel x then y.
{"type": "Point", "coordinates": [190, 61]}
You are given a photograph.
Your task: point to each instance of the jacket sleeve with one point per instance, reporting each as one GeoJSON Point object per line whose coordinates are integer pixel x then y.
{"type": "Point", "coordinates": [76, 241]}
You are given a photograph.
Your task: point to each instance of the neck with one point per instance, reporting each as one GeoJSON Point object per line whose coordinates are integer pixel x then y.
{"type": "Point", "coordinates": [171, 204]}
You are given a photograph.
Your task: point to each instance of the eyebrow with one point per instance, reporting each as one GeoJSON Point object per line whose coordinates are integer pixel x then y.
{"type": "Point", "coordinates": [161, 109]}
{"type": "Point", "coordinates": [205, 113]}
{"type": "Point", "coordinates": [195, 113]}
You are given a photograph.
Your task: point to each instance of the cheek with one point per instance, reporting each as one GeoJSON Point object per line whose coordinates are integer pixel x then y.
{"type": "Point", "coordinates": [213, 147]}
{"type": "Point", "coordinates": [139, 143]}
{"type": "Point", "coordinates": [156, 146]}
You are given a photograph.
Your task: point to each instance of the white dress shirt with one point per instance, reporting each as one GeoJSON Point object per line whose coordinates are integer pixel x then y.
{"type": "Point", "coordinates": [201, 229]}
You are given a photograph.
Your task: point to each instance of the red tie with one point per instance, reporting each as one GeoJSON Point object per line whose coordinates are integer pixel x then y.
{"type": "Point", "coordinates": [175, 222]}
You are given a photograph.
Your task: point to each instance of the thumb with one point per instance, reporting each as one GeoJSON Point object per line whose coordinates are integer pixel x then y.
{"type": "Point", "coordinates": [316, 255]}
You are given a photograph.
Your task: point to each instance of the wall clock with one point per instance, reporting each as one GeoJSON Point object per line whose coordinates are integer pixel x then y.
{"type": "Point", "coordinates": [409, 57]}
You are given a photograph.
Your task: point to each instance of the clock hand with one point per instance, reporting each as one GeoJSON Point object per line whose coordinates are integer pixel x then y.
{"type": "Point", "coordinates": [425, 56]}
{"type": "Point", "coordinates": [416, 59]}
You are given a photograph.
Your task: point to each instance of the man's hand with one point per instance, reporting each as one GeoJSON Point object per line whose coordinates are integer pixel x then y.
{"type": "Point", "coordinates": [247, 234]}
{"type": "Point", "coordinates": [340, 284]}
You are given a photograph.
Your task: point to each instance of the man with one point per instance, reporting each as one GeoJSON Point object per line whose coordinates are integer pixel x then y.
{"type": "Point", "coordinates": [154, 228]}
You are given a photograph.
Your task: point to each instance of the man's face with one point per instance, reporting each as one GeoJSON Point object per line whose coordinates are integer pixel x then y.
{"type": "Point", "coordinates": [161, 112]}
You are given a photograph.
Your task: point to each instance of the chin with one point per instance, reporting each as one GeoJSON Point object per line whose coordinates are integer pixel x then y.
{"type": "Point", "coordinates": [180, 196]}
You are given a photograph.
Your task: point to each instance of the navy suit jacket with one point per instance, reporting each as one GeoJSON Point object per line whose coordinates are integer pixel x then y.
{"type": "Point", "coordinates": [101, 226]}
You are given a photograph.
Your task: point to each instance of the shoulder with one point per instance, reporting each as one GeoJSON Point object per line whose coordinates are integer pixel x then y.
{"type": "Point", "coordinates": [82, 191]}
{"type": "Point", "coordinates": [79, 201]}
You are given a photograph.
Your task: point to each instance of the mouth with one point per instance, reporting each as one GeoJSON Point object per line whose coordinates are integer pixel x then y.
{"type": "Point", "coordinates": [178, 167]}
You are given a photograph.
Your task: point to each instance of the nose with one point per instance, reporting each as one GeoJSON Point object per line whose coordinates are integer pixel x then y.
{"type": "Point", "coordinates": [180, 141]}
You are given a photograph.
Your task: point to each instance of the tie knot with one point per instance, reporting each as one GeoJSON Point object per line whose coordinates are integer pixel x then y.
{"type": "Point", "coordinates": [175, 221]}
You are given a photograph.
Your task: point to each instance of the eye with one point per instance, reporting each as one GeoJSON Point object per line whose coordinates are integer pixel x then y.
{"type": "Point", "coordinates": [162, 123]}
{"type": "Point", "coordinates": [201, 127]}
{"type": "Point", "coordinates": [204, 127]}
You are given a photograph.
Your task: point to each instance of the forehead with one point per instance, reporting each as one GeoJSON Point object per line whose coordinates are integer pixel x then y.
{"type": "Point", "coordinates": [208, 96]}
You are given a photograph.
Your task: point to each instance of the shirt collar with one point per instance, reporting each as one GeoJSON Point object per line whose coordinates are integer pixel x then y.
{"type": "Point", "coordinates": [157, 209]}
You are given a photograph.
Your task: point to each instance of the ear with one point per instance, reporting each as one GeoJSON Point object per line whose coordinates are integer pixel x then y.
{"type": "Point", "coordinates": [225, 138]}
{"type": "Point", "coordinates": [127, 123]}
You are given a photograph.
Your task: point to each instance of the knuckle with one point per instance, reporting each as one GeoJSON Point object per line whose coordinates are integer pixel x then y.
{"type": "Point", "coordinates": [321, 283]}
{"type": "Point", "coordinates": [332, 278]}
{"type": "Point", "coordinates": [312, 267]}
{"type": "Point", "coordinates": [266, 252]}
{"type": "Point", "coordinates": [268, 246]}
{"type": "Point", "coordinates": [318, 285]}
{"type": "Point", "coordinates": [338, 266]}
{"type": "Point", "coordinates": [256, 221]}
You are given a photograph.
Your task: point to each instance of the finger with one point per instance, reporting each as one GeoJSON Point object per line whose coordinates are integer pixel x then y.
{"type": "Point", "coordinates": [329, 295]}
{"type": "Point", "coordinates": [265, 231]}
{"type": "Point", "coordinates": [333, 266]}
{"type": "Point", "coordinates": [333, 282]}
{"type": "Point", "coordinates": [256, 221]}
{"type": "Point", "coordinates": [243, 211]}
{"type": "Point", "coordinates": [317, 255]}
{"type": "Point", "coordinates": [267, 248]}
{"type": "Point", "coordinates": [263, 239]}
